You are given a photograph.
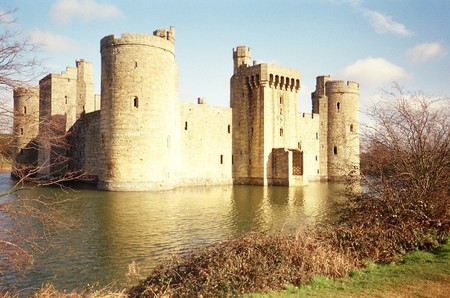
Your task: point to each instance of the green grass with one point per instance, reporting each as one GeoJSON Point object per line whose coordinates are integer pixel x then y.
{"type": "Point", "coordinates": [421, 274]}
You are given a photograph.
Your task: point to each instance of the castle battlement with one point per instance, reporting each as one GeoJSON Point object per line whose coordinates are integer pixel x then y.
{"type": "Point", "coordinates": [69, 73]}
{"type": "Point", "coordinates": [163, 39]}
{"type": "Point", "coordinates": [278, 77]}
{"type": "Point", "coordinates": [338, 86]}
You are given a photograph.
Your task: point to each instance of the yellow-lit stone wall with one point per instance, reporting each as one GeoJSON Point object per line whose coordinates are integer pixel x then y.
{"type": "Point", "coordinates": [137, 136]}
{"type": "Point", "coordinates": [308, 135]}
{"type": "Point", "coordinates": [139, 112]}
{"type": "Point", "coordinates": [205, 149]}
{"type": "Point", "coordinates": [343, 128]}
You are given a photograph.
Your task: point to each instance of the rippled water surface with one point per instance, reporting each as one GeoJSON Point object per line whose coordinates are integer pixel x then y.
{"type": "Point", "coordinates": [116, 228]}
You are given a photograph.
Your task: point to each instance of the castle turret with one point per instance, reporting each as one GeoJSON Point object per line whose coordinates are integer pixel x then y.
{"type": "Point", "coordinates": [264, 102]}
{"type": "Point", "coordinates": [320, 106]}
{"type": "Point", "coordinates": [85, 88]}
{"type": "Point", "coordinates": [343, 128]}
{"type": "Point", "coordinates": [25, 130]}
{"type": "Point", "coordinates": [241, 57]}
{"type": "Point", "coordinates": [139, 111]}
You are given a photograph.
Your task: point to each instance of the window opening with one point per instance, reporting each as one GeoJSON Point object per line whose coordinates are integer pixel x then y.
{"type": "Point", "coordinates": [21, 131]}
{"type": "Point", "coordinates": [185, 125]}
{"type": "Point", "coordinates": [351, 127]}
{"type": "Point", "coordinates": [229, 128]}
{"type": "Point", "coordinates": [317, 135]}
{"type": "Point", "coordinates": [221, 159]}
{"type": "Point", "coordinates": [24, 110]}
{"type": "Point", "coordinates": [136, 102]}
{"type": "Point", "coordinates": [281, 132]}
{"type": "Point", "coordinates": [335, 150]}
{"type": "Point", "coordinates": [338, 105]}
{"type": "Point", "coordinates": [65, 99]}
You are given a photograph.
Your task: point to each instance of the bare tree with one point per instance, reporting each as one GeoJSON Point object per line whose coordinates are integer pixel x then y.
{"type": "Point", "coordinates": [25, 219]}
{"type": "Point", "coordinates": [405, 162]}
{"type": "Point", "coordinates": [408, 144]}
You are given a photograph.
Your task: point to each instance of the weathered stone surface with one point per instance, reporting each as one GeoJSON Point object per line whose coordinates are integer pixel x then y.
{"type": "Point", "coordinates": [136, 135]}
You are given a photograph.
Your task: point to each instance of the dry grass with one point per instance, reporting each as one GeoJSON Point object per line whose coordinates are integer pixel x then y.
{"type": "Point", "coordinates": [253, 262]}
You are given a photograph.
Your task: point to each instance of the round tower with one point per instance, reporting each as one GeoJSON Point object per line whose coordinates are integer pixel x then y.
{"type": "Point", "coordinates": [25, 130]}
{"type": "Point", "coordinates": [343, 128]}
{"type": "Point", "coordinates": [139, 111]}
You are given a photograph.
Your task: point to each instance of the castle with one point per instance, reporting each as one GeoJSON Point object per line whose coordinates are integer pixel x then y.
{"type": "Point", "coordinates": [137, 136]}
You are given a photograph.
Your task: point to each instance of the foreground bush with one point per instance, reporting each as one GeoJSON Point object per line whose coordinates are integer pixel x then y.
{"type": "Point", "coordinates": [253, 262]}
{"type": "Point", "coordinates": [405, 163]}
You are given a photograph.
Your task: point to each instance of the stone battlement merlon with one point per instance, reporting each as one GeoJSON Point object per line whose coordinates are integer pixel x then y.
{"type": "Point", "coordinates": [139, 40]}
{"type": "Point", "coordinates": [273, 75]}
{"type": "Point", "coordinates": [338, 86]}
{"type": "Point", "coordinates": [69, 73]}
{"type": "Point", "coordinates": [166, 34]}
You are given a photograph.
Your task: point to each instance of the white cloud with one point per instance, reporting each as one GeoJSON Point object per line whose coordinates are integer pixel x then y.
{"type": "Point", "coordinates": [380, 22]}
{"type": "Point", "coordinates": [426, 51]}
{"type": "Point", "coordinates": [63, 11]}
{"type": "Point", "coordinates": [53, 42]}
{"type": "Point", "coordinates": [384, 24]}
{"type": "Point", "coordinates": [373, 72]}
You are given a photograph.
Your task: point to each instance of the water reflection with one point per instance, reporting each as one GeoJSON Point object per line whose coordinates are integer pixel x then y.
{"type": "Point", "coordinates": [116, 228]}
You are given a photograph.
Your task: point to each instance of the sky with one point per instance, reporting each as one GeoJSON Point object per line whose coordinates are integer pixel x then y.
{"type": "Point", "coordinates": [374, 43]}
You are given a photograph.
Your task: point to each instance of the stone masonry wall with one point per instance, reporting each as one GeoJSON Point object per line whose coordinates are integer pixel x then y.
{"type": "Point", "coordinates": [139, 112]}
{"type": "Point", "coordinates": [25, 127]}
{"type": "Point", "coordinates": [205, 148]}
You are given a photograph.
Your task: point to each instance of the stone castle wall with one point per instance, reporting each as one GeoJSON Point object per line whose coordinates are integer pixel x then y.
{"type": "Point", "coordinates": [343, 128]}
{"type": "Point", "coordinates": [25, 128]}
{"type": "Point", "coordinates": [309, 143]}
{"type": "Point", "coordinates": [205, 149]}
{"type": "Point", "coordinates": [137, 136]}
{"type": "Point", "coordinates": [86, 152]}
{"type": "Point", "coordinates": [139, 112]}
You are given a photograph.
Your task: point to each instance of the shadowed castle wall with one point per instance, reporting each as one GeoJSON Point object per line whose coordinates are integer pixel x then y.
{"type": "Point", "coordinates": [25, 129]}
{"type": "Point", "coordinates": [86, 152]}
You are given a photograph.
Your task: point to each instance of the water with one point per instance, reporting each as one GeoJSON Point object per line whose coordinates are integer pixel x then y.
{"type": "Point", "coordinates": [113, 229]}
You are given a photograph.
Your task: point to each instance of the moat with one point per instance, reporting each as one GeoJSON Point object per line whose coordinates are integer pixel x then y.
{"type": "Point", "coordinates": [115, 229]}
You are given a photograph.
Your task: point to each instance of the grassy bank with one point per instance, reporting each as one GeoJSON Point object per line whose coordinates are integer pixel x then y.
{"type": "Point", "coordinates": [421, 274]}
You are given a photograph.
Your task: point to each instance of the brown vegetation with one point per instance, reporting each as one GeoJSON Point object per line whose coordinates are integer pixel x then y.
{"type": "Point", "coordinates": [254, 262]}
{"type": "Point", "coordinates": [404, 205]}
{"type": "Point", "coordinates": [406, 168]}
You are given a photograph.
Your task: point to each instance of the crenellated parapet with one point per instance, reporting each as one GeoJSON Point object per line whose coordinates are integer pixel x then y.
{"type": "Point", "coordinates": [273, 76]}
{"type": "Point", "coordinates": [70, 74]}
{"type": "Point", "coordinates": [337, 86]}
{"type": "Point", "coordinates": [161, 38]}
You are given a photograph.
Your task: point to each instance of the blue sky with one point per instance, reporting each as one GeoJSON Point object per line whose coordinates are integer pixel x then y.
{"type": "Point", "coordinates": [372, 42]}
